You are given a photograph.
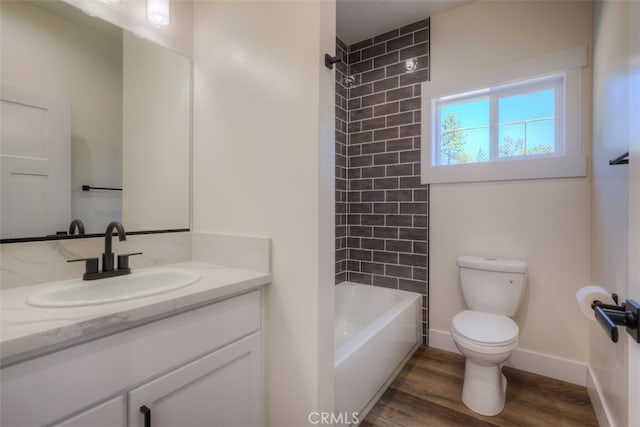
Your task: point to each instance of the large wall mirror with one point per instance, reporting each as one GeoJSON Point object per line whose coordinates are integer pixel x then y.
{"type": "Point", "coordinates": [95, 126]}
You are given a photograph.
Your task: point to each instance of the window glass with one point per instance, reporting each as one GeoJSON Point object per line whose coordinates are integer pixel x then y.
{"type": "Point", "coordinates": [498, 123]}
{"type": "Point", "coordinates": [464, 132]}
{"type": "Point", "coordinates": [526, 124]}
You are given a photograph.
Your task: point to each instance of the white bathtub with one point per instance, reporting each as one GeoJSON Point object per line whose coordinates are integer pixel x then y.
{"type": "Point", "coordinates": [377, 330]}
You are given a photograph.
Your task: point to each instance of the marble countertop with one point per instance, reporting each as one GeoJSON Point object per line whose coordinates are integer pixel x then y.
{"type": "Point", "coordinates": [27, 331]}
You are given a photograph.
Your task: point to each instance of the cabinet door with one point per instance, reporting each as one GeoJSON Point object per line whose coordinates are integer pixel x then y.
{"type": "Point", "coordinates": [108, 414]}
{"type": "Point", "coordinates": [223, 388]}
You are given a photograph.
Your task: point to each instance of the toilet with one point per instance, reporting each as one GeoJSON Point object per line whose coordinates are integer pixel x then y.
{"type": "Point", "coordinates": [485, 333]}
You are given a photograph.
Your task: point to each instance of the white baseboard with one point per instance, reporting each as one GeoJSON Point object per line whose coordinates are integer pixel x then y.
{"type": "Point", "coordinates": [599, 406]}
{"type": "Point", "coordinates": [442, 340]}
{"type": "Point", "coordinates": [559, 368]}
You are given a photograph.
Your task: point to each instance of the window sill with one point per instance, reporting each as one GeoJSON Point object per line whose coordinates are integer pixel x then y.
{"type": "Point", "coordinates": [544, 168]}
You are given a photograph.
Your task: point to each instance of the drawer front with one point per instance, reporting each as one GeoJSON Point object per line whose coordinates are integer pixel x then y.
{"type": "Point", "coordinates": [108, 414]}
{"type": "Point", "coordinates": [61, 383]}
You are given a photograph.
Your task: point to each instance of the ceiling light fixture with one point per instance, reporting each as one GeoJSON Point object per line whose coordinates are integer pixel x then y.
{"type": "Point", "coordinates": [158, 12]}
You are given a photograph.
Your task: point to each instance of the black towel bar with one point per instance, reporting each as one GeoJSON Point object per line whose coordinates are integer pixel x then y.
{"type": "Point", "coordinates": [88, 187]}
{"type": "Point", "coordinates": [621, 160]}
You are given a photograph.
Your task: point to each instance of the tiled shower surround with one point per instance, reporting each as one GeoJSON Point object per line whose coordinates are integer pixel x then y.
{"type": "Point", "coordinates": [341, 163]}
{"type": "Point", "coordinates": [381, 207]}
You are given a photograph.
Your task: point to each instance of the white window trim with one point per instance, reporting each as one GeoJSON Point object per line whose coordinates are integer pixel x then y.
{"type": "Point", "coordinates": [572, 164]}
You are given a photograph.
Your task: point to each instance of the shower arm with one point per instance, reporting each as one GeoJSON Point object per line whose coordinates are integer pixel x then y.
{"type": "Point", "coordinates": [330, 60]}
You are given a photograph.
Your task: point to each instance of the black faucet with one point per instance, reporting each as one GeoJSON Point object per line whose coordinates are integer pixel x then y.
{"type": "Point", "coordinates": [91, 266]}
{"type": "Point", "coordinates": [76, 224]}
{"type": "Point", "coordinates": [107, 256]}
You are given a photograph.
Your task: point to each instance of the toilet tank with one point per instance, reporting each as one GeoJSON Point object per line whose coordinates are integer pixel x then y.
{"type": "Point", "coordinates": [492, 285]}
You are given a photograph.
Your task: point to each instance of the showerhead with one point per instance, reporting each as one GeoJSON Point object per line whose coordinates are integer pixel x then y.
{"type": "Point", "coordinates": [411, 65]}
{"type": "Point", "coordinates": [349, 81]}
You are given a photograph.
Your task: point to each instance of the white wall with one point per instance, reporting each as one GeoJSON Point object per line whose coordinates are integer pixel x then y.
{"type": "Point", "coordinates": [545, 222]}
{"type": "Point", "coordinates": [609, 254]}
{"type": "Point", "coordinates": [263, 165]}
{"type": "Point", "coordinates": [156, 136]}
{"type": "Point", "coordinates": [131, 15]}
{"type": "Point", "coordinates": [47, 53]}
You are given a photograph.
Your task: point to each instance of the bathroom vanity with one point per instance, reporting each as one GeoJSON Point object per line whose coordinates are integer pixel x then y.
{"type": "Point", "coordinates": [192, 356]}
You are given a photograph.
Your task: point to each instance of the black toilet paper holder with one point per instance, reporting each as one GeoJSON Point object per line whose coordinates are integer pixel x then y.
{"type": "Point", "coordinates": [611, 316]}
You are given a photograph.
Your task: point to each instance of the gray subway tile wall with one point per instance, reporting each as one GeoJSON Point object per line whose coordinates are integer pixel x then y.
{"type": "Point", "coordinates": [341, 163]}
{"type": "Point", "coordinates": [381, 207]}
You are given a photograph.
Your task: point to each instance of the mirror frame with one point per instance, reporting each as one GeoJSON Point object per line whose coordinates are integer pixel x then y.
{"type": "Point", "coordinates": [88, 236]}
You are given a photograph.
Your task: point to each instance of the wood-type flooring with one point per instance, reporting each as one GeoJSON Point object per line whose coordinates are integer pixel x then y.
{"type": "Point", "coordinates": [427, 392]}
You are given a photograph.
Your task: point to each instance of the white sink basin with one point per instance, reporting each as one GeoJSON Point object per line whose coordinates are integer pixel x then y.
{"type": "Point", "coordinates": [138, 284]}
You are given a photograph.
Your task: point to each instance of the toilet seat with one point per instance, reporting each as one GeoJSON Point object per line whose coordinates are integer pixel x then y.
{"type": "Point", "coordinates": [479, 329]}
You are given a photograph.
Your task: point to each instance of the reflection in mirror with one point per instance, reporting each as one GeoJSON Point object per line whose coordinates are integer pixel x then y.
{"type": "Point", "coordinates": [86, 104]}
{"type": "Point", "coordinates": [156, 117]}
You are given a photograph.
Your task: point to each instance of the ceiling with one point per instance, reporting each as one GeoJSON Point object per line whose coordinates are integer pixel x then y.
{"type": "Point", "coordinates": [358, 20]}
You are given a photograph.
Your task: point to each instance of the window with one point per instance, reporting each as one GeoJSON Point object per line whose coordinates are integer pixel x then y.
{"type": "Point", "coordinates": [501, 123]}
{"type": "Point", "coordinates": [529, 127]}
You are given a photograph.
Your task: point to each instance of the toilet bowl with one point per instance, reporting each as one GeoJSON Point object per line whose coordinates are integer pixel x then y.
{"type": "Point", "coordinates": [485, 333]}
{"type": "Point", "coordinates": [486, 341]}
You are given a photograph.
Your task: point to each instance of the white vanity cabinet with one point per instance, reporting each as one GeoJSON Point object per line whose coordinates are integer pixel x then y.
{"type": "Point", "coordinates": [215, 390]}
{"type": "Point", "coordinates": [197, 368]}
{"type": "Point", "coordinates": [108, 414]}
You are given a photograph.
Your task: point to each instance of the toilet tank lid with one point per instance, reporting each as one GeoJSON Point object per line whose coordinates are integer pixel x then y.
{"type": "Point", "coordinates": [493, 264]}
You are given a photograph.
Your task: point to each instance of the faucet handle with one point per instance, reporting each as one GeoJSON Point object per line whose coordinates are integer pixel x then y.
{"type": "Point", "coordinates": [90, 267]}
{"type": "Point", "coordinates": [123, 260]}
